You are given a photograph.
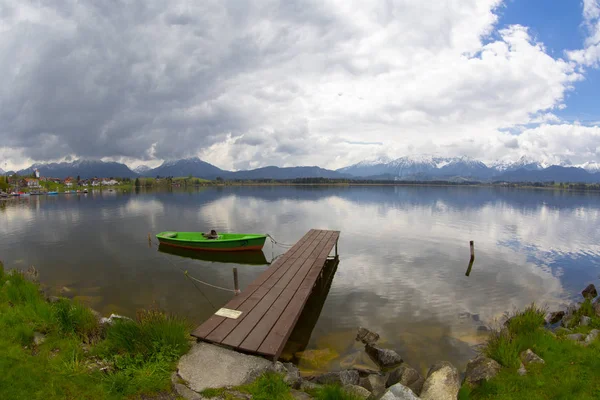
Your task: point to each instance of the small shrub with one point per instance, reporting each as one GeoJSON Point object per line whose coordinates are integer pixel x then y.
{"type": "Point", "coordinates": [269, 386]}
{"type": "Point", "coordinates": [75, 318]}
{"type": "Point", "coordinates": [502, 347]}
{"type": "Point", "coordinates": [334, 392]}
{"type": "Point", "coordinates": [527, 320]}
{"type": "Point", "coordinates": [20, 290]}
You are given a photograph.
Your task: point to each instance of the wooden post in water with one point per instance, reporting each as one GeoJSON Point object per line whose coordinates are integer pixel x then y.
{"type": "Point", "coordinates": [236, 286]}
{"type": "Point", "coordinates": [149, 240]}
{"type": "Point", "coordinates": [472, 246]}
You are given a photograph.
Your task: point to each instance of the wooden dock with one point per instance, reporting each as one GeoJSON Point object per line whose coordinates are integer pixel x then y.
{"type": "Point", "coordinates": [270, 306]}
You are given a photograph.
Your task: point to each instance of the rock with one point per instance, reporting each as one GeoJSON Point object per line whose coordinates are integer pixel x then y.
{"type": "Point", "coordinates": [554, 317]}
{"type": "Point", "coordinates": [31, 274]}
{"type": "Point", "coordinates": [366, 336]}
{"type": "Point", "coordinates": [597, 308]}
{"type": "Point", "coordinates": [291, 374]}
{"type": "Point", "coordinates": [591, 336]}
{"type": "Point", "coordinates": [298, 395]}
{"type": "Point", "coordinates": [407, 376]}
{"type": "Point", "coordinates": [481, 369]}
{"type": "Point", "coordinates": [576, 337]}
{"type": "Point", "coordinates": [529, 357]}
{"type": "Point", "coordinates": [111, 320]}
{"type": "Point", "coordinates": [65, 290]}
{"type": "Point", "coordinates": [400, 392]}
{"type": "Point", "coordinates": [307, 385]}
{"type": "Point", "coordinates": [182, 390]}
{"type": "Point", "coordinates": [347, 377]}
{"type": "Point", "coordinates": [53, 299]}
{"type": "Point", "coordinates": [357, 391]}
{"type": "Point", "coordinates": [374, 383]}
{"type": "Point", "coordinates": [483, 328]}
{"type": "Point", "coordinates": [562, 330]}
{"type": "Point", "coordinates": [207, 366]}
{"type": "Point", "coordinates": [589, 292]}
{"type": "Point", "coordinates": [522, 371]}
{"type": "Point", "coordinates": [38, 338]}
{"type": "Point", "coordinates": [585, 321]}
{"type": "Point", "coordinates": [385, 358]}
{"type": "Point", "coordinates": [442, 383]}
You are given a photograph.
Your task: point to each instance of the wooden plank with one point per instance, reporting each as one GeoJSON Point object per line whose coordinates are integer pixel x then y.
{"type": "Point", "coordinates": [262, 329]}
{"type": "Point", "coordinates": [240, 332]}
{"type": "Point", "coordinates": [278, 336]}
{"type": "Point", "coordinates": [264, 326]}
{"type": "Point", "coordinates": [214, 321]}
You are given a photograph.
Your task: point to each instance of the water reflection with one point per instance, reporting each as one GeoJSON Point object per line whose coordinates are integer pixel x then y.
{"type": "Point", "coordinates": [403, 255]}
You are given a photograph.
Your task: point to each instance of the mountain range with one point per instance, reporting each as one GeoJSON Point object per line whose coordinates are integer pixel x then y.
{"type": "Point", "coordinates": [409, 168]}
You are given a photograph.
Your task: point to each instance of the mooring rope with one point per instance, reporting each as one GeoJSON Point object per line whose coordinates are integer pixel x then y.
{"type": "Point", "coordinates": [185, 272]}
{"type": "Point", "coordinates": [278, 243]}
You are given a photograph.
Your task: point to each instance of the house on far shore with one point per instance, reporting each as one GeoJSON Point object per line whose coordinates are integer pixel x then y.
{"type": "Point", "coordinates": [32, 183]}
{"type": "Point", "coordinates": [69, 182]}
{"type": "Point", "coordinates": [110, 182]}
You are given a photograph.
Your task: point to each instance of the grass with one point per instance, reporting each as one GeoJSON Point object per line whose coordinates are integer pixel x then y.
{"type": "Point", "coordinates": [67, 364]}
{"type": "Point", "coordinates": [569, 372]}
{"type": "Point", "coordinates": [271, 386]}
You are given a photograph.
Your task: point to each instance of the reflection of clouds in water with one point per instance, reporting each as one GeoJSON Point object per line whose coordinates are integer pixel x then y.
{"type": "Point", "coordinates": [404, 252]}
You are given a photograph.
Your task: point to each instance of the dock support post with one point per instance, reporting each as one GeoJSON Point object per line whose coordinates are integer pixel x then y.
{"type": "Point", "coordinates": [336, 250]}
{"type": "Point", "coordinates": [472, 245]}
{"type": "Point", "coordinates": [236, 286]}
{"type": "Point", "coordinates": [149, 240]}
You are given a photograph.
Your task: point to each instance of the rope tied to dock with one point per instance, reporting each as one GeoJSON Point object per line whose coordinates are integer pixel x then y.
{"type": "Point", "coordinates": [208, 284]}
{"type": "Point", "coordinates": [273, 241]}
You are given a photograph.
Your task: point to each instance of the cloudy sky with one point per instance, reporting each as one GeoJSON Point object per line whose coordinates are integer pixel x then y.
{"type": "Point", "coordinates": [298, 82]}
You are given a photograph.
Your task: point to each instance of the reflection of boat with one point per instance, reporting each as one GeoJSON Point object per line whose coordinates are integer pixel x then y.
{"type": "Point", "coordinates": [223, 242]}
{"type": "Point", "coordinates": [237, 257]}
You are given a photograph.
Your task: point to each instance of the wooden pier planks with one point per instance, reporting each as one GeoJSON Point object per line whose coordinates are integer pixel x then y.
{"type": "Point", "coordinates": [273, 302]}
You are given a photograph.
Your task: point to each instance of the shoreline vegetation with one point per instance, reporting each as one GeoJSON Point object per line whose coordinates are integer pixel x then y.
{"type": "Point", "coordinates": [144, 183]}
{"type": "Point", "coordinates": [57, 348]}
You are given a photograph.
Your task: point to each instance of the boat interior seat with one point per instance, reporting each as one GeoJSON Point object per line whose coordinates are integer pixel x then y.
{"type": "Point", "coordinates": [170, 234]}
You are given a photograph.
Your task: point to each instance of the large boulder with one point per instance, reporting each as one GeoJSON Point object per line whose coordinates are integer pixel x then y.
{"type": "Point", "coordinates": [576, 337]}
{"type": "Point", "coordinates": [442, 383]}
{"type": "Point", "coordinates": [347, 377]}
{"type": "Point", "coordinates": [597, 307]}
{"type": "Point", "coordinates": [407, 376]}
{"type": "Point", "coordinates": [366, 336]}
{"type": "Point", "coordinates": [399, 392]}
{"type": "Point", "coordinates": [481, 369]}
{"type": "Point", "coordinates": [589, 292]}
{"type": "Point", "coordinates": [207, 366]}
{"type": "Point", "coordinates": [374, 383]}
{"type": "Point", "coordinates": [291, 374]}
{"type": "Point", "coordinates": [585, 320]}
{"type": "Point", "coordinates": [385, 358]}
{"type": "Point", "coordinates": [529, 357]}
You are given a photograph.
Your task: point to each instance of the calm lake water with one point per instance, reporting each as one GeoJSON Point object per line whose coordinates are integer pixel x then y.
{"type": "Point", "coordinates": [403, 256]}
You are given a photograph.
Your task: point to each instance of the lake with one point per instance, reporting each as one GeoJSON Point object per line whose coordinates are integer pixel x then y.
{"type": "Point", "coordinates": [403, 252]}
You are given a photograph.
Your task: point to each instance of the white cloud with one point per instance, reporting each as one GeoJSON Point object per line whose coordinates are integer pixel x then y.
{"type": "Point", "coordinates": [271, 82]}
{"type": "Point", "coordinates": [590, 54]}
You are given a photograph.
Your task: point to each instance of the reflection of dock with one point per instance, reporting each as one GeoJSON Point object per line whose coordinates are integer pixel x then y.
{"type": "Point", "coordinates": [237, 257]}
{"type": "Point", "coordinates": [262, 318]}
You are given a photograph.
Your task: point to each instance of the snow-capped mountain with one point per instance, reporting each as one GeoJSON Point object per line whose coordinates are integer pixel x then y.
{"type": "Point", "coordinates": [590, 166]}
{"type": "Point", "coordinates": [421, 166]}
{"type": "Point", "coordinates": [523, 163]}
{"type": "Point", "coordinates": [141, 169]}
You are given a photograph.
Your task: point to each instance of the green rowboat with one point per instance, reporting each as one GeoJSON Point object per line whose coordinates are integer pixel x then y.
{"type": "Point", "coordinates": [224, 241]}
{"type": "Point", "coordinates": [223, 257]}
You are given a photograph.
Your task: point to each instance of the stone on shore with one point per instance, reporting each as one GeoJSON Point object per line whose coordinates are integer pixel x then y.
{"type": "Point", "coordinates": [357, 391]}
{"type": "Point", "coordinates": [407, 376]}
{"type": "Point", "coordinates": [442, 383]}
{"type": "Point", "coordinates": [385, 358]}
{"type": "Point", "coordinates": [366, 336]}
{"type": "Point", "coordinates": [399, 392]}
{"type": "Point", "coordinates": [481, 369]}
{"type": "Point", "coordinates": [589, 292]}
{"type": "Point", "coordinates": [585, 321]}
{"type": "Point", "coordinates": [554, 317]}
{"type": "Point", "coordinates": [374, 383]}
{"type": "Point", "coordinates": [522, 371]}
{"type": "Point", "coordinates": [291, 374]}
{"type": "Point", "coordinates": [298, 395]}
{"type": "Point", "coordinates": [529, 357]}
{"type": "Point", "coordinates": [348, 377]}
{"type": "Point", "coordinates": [576, 337]}
{"type": "Point", "coordinates": [597, 307]}
{"type": "Point", "coordinates": [594, 333]}
{"type": "Point", "coordinates": [207, 366]}
{"type": "Point", "coordinates": [182, 390]}
{"type": "Point", "coordinates": [38, 338]}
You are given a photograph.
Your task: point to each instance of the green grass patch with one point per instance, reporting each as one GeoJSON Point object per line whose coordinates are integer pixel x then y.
{"type": "Point", "coordinates": [333, 392]}
{"type": "Point", "coordinates": [570, 370]}
{"type": "Point", "coordinates": [141, 354]}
